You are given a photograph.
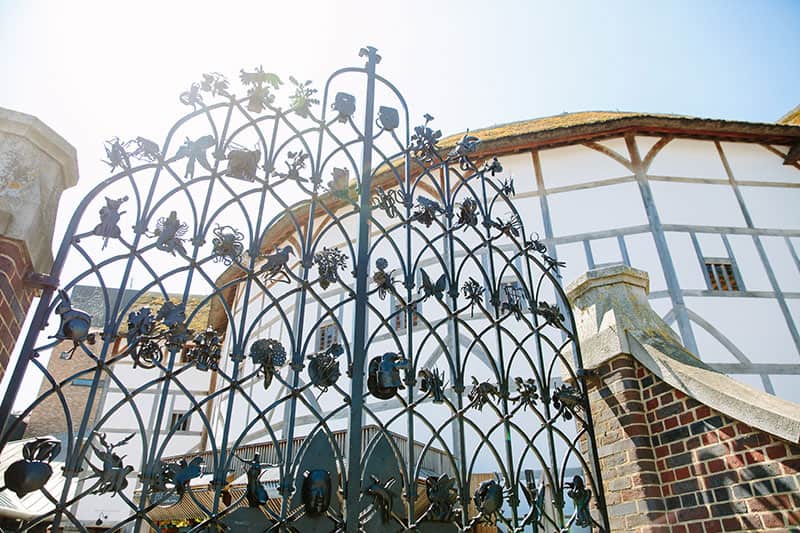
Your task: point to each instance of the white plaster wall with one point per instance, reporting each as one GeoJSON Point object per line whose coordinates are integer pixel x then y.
{"type": "Point", "coordinates": [750, 161]}
{"type": "Point", "coordinates": [571, 165]}
{"type": "Point", "coordinates": [696, 204]}
{"type": "Point", "coordinates": [587, 210]}
{"type": "Point", "coordinates": [773, 207]}
{"type": "Point", "coordinates": [688, 158]}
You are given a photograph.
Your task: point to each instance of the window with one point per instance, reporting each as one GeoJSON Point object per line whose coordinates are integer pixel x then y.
{"type": "Point", "coordinates": [512, 291]}
{"type": "Point", "coordinates": [399, 319]}
{"type": "Point", "coordinates": [84, 382]}
{"type": "Point", "coordinates": [328, 336]}
{"type": "Point", "coordinates": [721, 275]}
{"type": "Point", "coordinates": [178, 422]}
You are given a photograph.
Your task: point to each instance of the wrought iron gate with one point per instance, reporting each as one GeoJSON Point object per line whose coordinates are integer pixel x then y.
{"type": "Point", "coordinates": [386, 340]}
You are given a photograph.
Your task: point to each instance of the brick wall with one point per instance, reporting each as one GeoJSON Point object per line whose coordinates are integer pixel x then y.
{"type": "Point", "coordinates": [670, 463]}
{"type": "Point", "coordinates": [15, 297]}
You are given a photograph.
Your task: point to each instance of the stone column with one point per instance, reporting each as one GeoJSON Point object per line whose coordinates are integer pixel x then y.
{"type": "Point", "coordinates": [36, 165]}
{"type": "Point", "coordinates": [682, 447]}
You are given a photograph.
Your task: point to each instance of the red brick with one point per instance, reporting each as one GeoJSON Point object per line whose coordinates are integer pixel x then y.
{"type": "Point", "coordinates": [702, 412]}
{"type": "Point", "coordinates": [686, 418]}
{"type": "Point", "coordinates": [676, 447]}
{"type": "Point", "coordinates": [776, 451]}
{"type": "Point", "coordinates": [754, 457]}
{"type": "Point", "coordinates": [710, 438]}
{"type": "Point", "coordinates": [651, 404]}
{"type": "Point", "coordinates": [682, 473]}
{"type": "Point", "coordinates": [666, 398]}
{"type": "Point", "coordinates": [668, 476]}
{"type": "Point", "coordinates": [727, 432]}
{"type": "Point", "coordinates": [697, 527]}
{"type": "Point", "coordinates": [792, 518]}
{"type": "Point", "coordinates": [735, 461]}
{"type": "Point", "coordinates": [771, 520]}
{"type": "Point", "coordinates": [717, 465]}
{"type": "Point", "coordinates": [731, 524]}
{"type": "Point", "coordinates": [743, 429]}
{"type": "Point", "coordinates": [671, 422]}
{"type": "Point", "coordinates": [658, 427]}
{"type": "Point", "coordinates": [713, 526]}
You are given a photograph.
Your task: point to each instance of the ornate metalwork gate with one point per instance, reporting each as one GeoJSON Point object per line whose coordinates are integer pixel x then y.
{"type": "Point", "coordinates": [381, 353]}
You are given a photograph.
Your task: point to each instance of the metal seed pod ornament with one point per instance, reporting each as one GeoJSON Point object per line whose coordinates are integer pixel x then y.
{"type": "Point", "coordinates": [33, 471]}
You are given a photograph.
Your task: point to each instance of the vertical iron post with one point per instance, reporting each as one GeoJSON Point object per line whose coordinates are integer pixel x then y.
{"type": "Point", "coordinates": [354, 436]}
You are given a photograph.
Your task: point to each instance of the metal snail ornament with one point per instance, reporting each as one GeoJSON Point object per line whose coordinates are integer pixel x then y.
{"type": "Point", "coordinates": [323, 367]}
{"type": "Point", "coordinates": [269, 355]}
{"type": "Point", "coordinates": [316, 492]}
{"type": "Point", "coordinates": [33, 471]}
{"type": "Point", "coordinates": [74, 324]}
{"type": "Point", "coordinates": [383, 380]}
{"type": "Point", "coordinates": [488, 500]}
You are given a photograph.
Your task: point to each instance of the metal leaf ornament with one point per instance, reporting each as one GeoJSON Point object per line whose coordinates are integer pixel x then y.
{"type": "Point", "coordinates": [259, 84]}
{"type": "Point", "coordinates": [270, 355]}
{"type": "Point", "coordinates": [424, 141]}
{"type": "Point", "coordinates": [323, 367]}
{"type": "Point", "coordinates": [206, 350]}
{"type": "Point", "coordinates": [303, 97]}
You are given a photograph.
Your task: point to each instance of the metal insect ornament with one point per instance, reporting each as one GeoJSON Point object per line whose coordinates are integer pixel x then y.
{"type": "Point", "coordinates": [388, 201]}
{"type": "Point", "coordinates": [424, 141]}
{"type": "Point", "coordinates": [227, 243]}
{"type": "Point", "coordinates": [33, 471]}
{"type": "Point", "coordinates": [488, 500]}
{"type": "Point", "coordinates": [509, 228]}
{"type": "Point", "coordinates": [383, 379]}
{"type": "Point", "coordinates": [345, 105]}
{"type": "Point", "coordinates": [442, 495]}
{"type": "Point", "coordinates": [117, 154]}
{"type": "Point", "coordinates": [112, 474]}
{"type": "Point", "coordinates": [195, 151]}
{"type": "Point", "coordinates": [467, 145]}
{"type": "Point", "coordinates": [259, 84]}
{"type": "Point", "coordinates": [492, 167]}
{"type": "Point", "coordinates": [146, 150]}
{"type": "Point", "coordinates": [428, 288]}
{"type": "Point", "coordinates": [567, 399]}
{"type": "Point", "coordinates": [384, 280]}
{"type": "Point", "coordinates": [552, 263]}
{"type": "Point", "coordinates": [323, 367]}
{"type": "Point", "coordinates": [316, 492]}
{"type": "Point", "coordinates": [329, 261]}
{"type": "Point", "coordinates": [205, 353]}
{"type": "Point", "coordinates": [215, 83]}
{"type": "Point", "coordinates": [382, 498]}
{"type": "Point", "coordinates": [472, 291]}
{"type": "Point", "coordinates": [432, 382]}
{"type": "Point", "coordinates": [507, 187]}
{"type": "Point", "coordinates": [303, 97]}
{"type": "Point", "coordinates": [527, 392]}
{"type": "Point", "coordinates": [339, 184]}
{"type": "Point", "coordinates": [276, 264]}
{"type": "Point", "coordinates": [169, 234]}
{"type": "Point", "coordinates": [580, 497]}
{"type": "Point", "coordinates": [243, 164]}
{"type": "Point", "coordinates": [467, 213]}
{"type": "Point", "coordinates": [74, 324]}
{"type": "Point", "coordinates": [296, 163]}
{"type": "Point", "coordinates": [269, 355]}
{"type": "Point", "coordinates": [426, 211]}
{"type": "Point", "coordinates": [482, 393]}
{"type": "Point", "coordinates": [551, 314]}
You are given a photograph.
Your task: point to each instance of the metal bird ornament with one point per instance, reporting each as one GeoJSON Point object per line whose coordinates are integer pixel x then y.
{"type": "Point", "coordinates": [276, 263]}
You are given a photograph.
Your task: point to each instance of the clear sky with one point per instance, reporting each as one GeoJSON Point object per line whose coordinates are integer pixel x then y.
{"type": "Point", "coordinates": [93, 70]}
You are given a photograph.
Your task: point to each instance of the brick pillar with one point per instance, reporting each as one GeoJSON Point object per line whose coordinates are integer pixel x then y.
{"type": "Point", "coordinates": [36, 165]}
{"type": "Point", "coordinates": [682, 447]}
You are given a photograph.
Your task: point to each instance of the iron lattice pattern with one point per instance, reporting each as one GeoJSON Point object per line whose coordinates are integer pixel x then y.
{"type": "Point", "coordinates": [308, 316]}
